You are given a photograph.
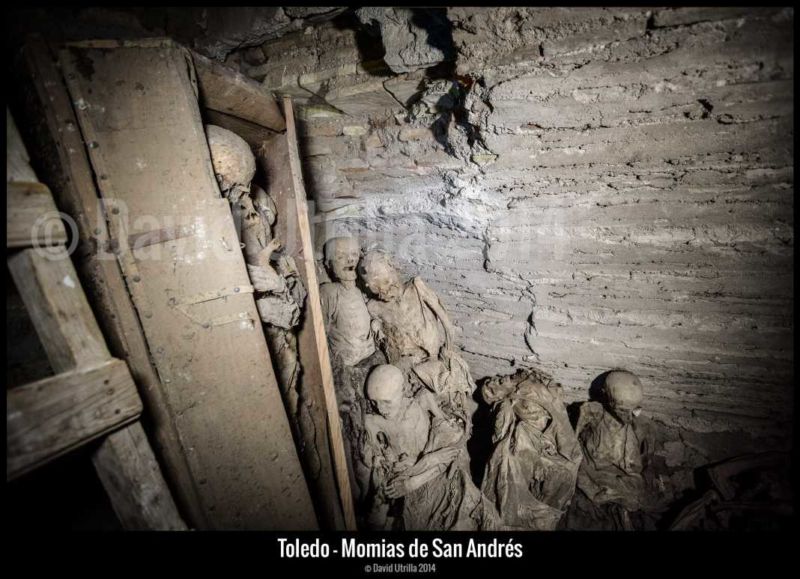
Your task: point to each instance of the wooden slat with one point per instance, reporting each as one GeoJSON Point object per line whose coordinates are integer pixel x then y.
{"type": "Point", "coordinates": [314, 313]}
{"type": "Point", "coordinates": [222, 392]}
{"type": "Point", "coordinates": [18, 167]}
{"type": "Point", "coordinates": [58, 308]}
{"type": "Point", "coordinates": [31, 215]}
{"type": "Point", "coordinates": [131, 477]}
{"type": "Point", "coordinates": [32, 218]}
{"type": "Point", "coordinates": [315, 454]}
{"type": "Point", "coordinates": [49, 417]}
{"type": "Point", "coordinates": [252, 133]}
{"type": "Point", "coordinates": [232, 93]}
{"type": "Point", "coordinates": [72, 181]}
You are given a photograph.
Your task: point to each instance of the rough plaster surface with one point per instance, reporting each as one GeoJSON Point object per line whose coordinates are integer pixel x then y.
{"type": "Point", "coordinates": [611, 188]}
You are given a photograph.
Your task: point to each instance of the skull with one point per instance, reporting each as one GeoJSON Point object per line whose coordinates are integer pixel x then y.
{"type": "Point", "coordinates": [623, 395]}
{"type": "Point", "coordinates": [341, 257]}
{"type": "Point", "coordinates": [233, 161]}
{"type": "Point", "coordinates": [385, 389]}
{"type": "Point", "coordinates": [380, 276]}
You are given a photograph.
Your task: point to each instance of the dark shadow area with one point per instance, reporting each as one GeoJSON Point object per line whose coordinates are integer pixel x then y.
{"type": "Point", "coordinates": [596, 387]}
{"type": "Point", "coordinates": [595, 395]}
{"type": "Point", "coordinates": [440, 36]}
{"type": "Point", "coordinates": [479, 444]}
{"type": "Point", "coordinates": [573, 410]}
{"type": "Point", "coordinates": [681, 502]}
{"type": "Point", "coordinates": [65, 495]}
{"type": "Point", "coordinates": [26, 359]}
{"type": "Point", "coordinates": [749, 492]}
{"type": "Point", "coordinates": [368, 39]}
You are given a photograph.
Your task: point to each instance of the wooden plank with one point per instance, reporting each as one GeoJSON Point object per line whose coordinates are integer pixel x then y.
{"type": "Point", "coordinates": [31, 215]}
{"type": "Point", "coordinates": [293, 229]}
{"type": "Point", "coordinates": [315, 309]}
{"type": "Point", "coordinates": [315, 452]}
{"type": "Point", "coordinates": [50, 417]}
{"type": "Point", "coordinates": [131, 477]}
{"type": "Point", "coordinates": [227, 91]}
{"type": "Point", "coordinates": [67, 169]}
{"type": "Point", "coordinates": [211, 354]}
{"type": "Point", "coordinates": [58, 308]}
{"type": "Point", "coordinates": [32, 219]}
{"type": "Point", "coordinates": [254, 134]}
{"type": "Point", "coordinates": [18, 166]}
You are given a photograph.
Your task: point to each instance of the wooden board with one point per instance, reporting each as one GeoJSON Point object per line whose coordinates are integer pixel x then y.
{"type": "Point", "coordinates": [131, 477]}
{"type": "Point", "coordinates": [32, 219]}
{"type": "Point", "coordinates": [18, 167]}
{"type": "Point", "coordinates": [227, 91]}
{"type": "Point", "coordinates": [50, 417]}
{"type": "Point", "coordinates": [292, 228]}
{"type": "Point", "coordinates": [139, 115]}
{"type": "Point", "coordinates": [62, 155]}
{"type": "Point", "coordinates": [58, 308]}
{"type": "Point", "coordinates": [31, 216]}
{"type": "Point", "coordinates": [250, 132]}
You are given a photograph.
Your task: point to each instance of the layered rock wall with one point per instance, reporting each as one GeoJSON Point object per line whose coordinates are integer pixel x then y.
{"type": "Point", "coordinates": [585, 188]}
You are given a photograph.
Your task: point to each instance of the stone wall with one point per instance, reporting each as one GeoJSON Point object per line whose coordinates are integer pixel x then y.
{"type": "Point", "coordinates": [585, 188]}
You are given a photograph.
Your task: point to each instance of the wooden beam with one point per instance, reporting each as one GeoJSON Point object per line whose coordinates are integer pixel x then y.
{"type": "Point", "coordinates": [50, 417]}
{"type": "Point", "coordinates": [18, 166]}
{"type": "Point", "coordinates": [31, 215]}
{"type": "Point", "coordinates": [315, 452]}
{"type": "Point", "coordinates": [315, 310]}
{"type": "Point", "coordinates": [254, 134]}
{"type": "Point", "coordinates": [131, 477]}
{"type": "Point", "coordinates": [58, 308]}
{"type": "Point", "coordinates": [62, 153]}
{"type": "Point", "coordinates": [227, 91]}
{"type": "Point", "coordinates": [32, 219]}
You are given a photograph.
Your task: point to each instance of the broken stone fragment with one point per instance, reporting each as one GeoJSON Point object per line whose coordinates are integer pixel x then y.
{"type": "Point", "coordinates": [408, 46]}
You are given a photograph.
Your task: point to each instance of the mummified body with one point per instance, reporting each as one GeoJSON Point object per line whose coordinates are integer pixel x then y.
{"type": "Point", "coordinates": [279, 292]}
{"type": "Point", "coordinates": [611, 489]}
{"type": "Point", "coordinates": [417, 463]}
{"type": "Point", "coordinates": [414, 330]}
{"type": "Point", "coordinates": [531, 474]}
{"type": "Point", "coordinates": [352, 345]}
{"type": "Point", "coordinates": [345, 308]}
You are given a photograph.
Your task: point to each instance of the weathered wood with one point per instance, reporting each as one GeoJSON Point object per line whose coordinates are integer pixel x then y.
{"type": "Point", "coordinates": [58, 308]}
{"type": "Point", "coordinates": [31, 215]}
{"type": "Point", "coordinates": [18, 167]}
{"type": "Point", "coordinates": [63, 155]}
{"type": "Point", "coordinates": [131, 477]}
{"type": "Point", "coordinates": [315, 311]}
{"type": "Point", "coordinates": [232, 93]}
{"type": "Point", "coordinates": [32, 219]}
{"type": "Point", "coordinates": [50, 417]}
{"type": "Point", "coordinates": [278, 157]}
{"type": "Point", "coordinates": [315, 451]}
{"type": "Point", "coordinates": [252, 133]}
{"type": "Point", "coordinates": [222, 391]}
